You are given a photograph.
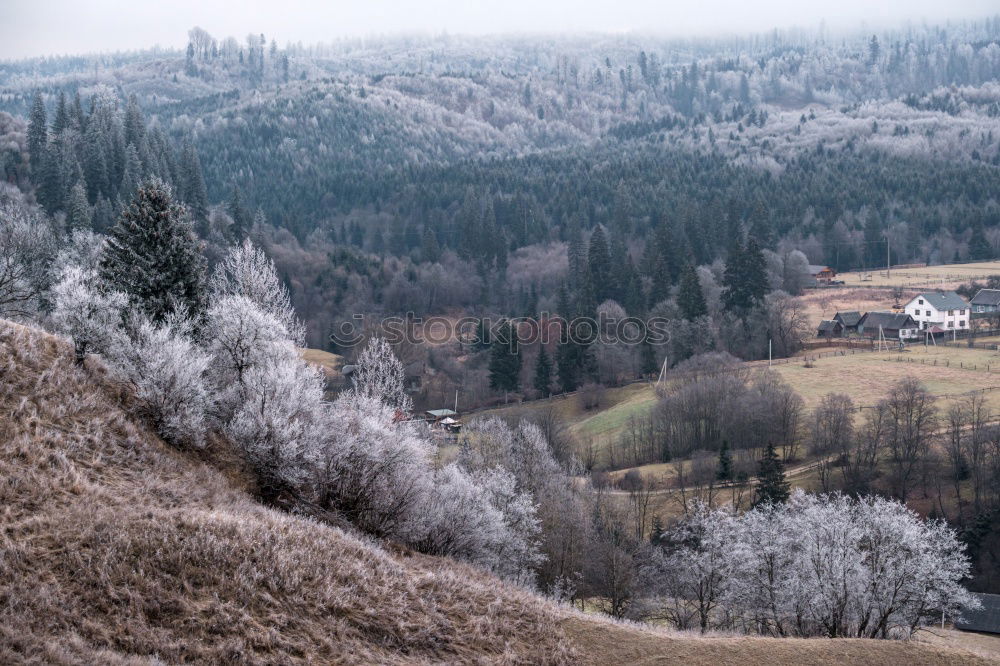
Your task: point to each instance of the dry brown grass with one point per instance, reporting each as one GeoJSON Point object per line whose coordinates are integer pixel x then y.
{"type": "Point", "coordinates": [620, 644]}
{"type": "Point", "coordinates": [820, 304]}
{"type": "Point", "coordinates": [925, 277]}
{"type": "Point", "coordinates": [116, 549]}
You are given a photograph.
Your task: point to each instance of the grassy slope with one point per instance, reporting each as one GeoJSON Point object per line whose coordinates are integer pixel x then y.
{"type": "Point", "coordinates": [117, 549]}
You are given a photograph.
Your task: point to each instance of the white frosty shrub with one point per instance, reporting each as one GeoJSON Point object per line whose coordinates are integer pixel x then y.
{"type": "Point", "coordinates": [167, 370]}
{"type": "Point", "coordinates": [380, 376]}
{"type": "Point", "coordinates": [249, 273]}
{"type": "Point", "coordinates": [90, 318]}
{"type": "Point", "coordinates": [375, 472]}
{"type": "Point", "coordinates": [270, 401]}
{"type": "Point", "coordinates": [483, 520]}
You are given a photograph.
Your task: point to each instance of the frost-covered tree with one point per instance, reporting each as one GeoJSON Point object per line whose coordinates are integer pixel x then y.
{"type": "Point", "coordinates": [269, 399]}
{"type": "Point", "coordinates": [249, 273]}
{"type": "Point", "coordinates": [483, 520]}
{"type": "Point", "coordinates": [373, 471]}
{"type": "Point", "coordinates": [26, 248]}
{"type": "Point", "coordinates": [820, 565]}
{"type": "Point", "coordinates": [167, 371]}
{"type": "Point", "coordinates": [79, 215]}
{"type": "Point", "coordinates": [89, 316]}
{"type": "Point", "coordinates": [381, 376]}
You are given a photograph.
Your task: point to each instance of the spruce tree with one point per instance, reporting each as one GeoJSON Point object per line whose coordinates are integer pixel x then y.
{"type": "Point", "coordinates": [567, 367]}
{"type": "Point", "coordinates": [79, 216]}
{"type": "Point", "coordinates": [61, 120]}
{"type": "Point", "coordinates": [979, 248]}
{"type": "Point", "coordinates": [153, 255]}
{"type": "Point", "coordinates": [575, 255]}
{"type": "Point", "coordinates": [755, 273]}
{"type": "Point", "coordinates": [505, 360]}
{"type": "Point", "coordinates": [38, 135]}
{"type": "Point", "coordinates": [656, 531]}
{"type": "Point", "coordinates": [724, 472]}
{"type": "Point", "coordinates": [690, 298]}
{"type": "Point", "coordinates": [543, 373]}
{"type": "Point", "coordinates": [193, 182]}
{"type": "Point", "coordinates": [241, 217]}
{"type": "Point", "coordinates": [745, 277]}
{"type": "Point", "coordinates": [732, 292]}
{"type": "Point", "coordinates": [599, 266]}
{"type": "Point", "coordinates": [430, 250]}
{"type": "Point", "coordinates": [771, 484]}
{"type": "Point", "coordinates": [132, 176]}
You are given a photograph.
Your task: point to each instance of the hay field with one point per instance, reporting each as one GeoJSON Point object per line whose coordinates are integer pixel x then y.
{"type": "Point", "coordinates": [868, 376]}
{"type": "Point", "coordinates": [946, 276]}
{"type": "Point", "coordinates": [820, 304]}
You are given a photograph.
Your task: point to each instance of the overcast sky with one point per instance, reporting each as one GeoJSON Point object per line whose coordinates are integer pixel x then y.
{"type": "Point", "coordinates": [41, 27]}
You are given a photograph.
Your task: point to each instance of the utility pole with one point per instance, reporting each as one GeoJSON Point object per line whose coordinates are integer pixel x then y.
{"type": "Point", "coordinates": [888, 259]}
{"type": "Point", "coordinates": [769, 352]}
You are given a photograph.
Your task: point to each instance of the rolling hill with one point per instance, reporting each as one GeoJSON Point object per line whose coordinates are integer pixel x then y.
{"type": "Point", "coordinates": [118, 549]}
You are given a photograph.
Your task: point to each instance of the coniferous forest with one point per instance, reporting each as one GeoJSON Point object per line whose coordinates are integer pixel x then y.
{"type": "Point", "coordinates": [378, 168]}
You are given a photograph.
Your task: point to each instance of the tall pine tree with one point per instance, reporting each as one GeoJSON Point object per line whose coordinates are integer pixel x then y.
{"type": "Point", "coordinates": [543, 373]}
{"type": "Point", "coordinates": [771, 484]}
{"type": "Point", "coordinates": [38, 135]}
{"type": "Point", "coordinates": [153, 255]}
{"type": "Point", "coordinates": [599, 266]}
{"type": "Point", "coordinates": [690, 298]}
{"type": "Point", "coordinates": [505, 360]}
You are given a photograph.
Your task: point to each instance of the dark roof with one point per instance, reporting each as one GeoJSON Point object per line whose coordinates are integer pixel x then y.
{"type": "Point", "coordinates": [987, 297]}
{"type": "Point", "coordinates": [888, 320]}
{"type": "Point", "coordinates": [986, 618]}
{"type": "Point", "coordinates": [828, 325]}
{"type": "Point", "coordinates": [848, 318]}
{"type": "Point", "coordinates": [943, 300]}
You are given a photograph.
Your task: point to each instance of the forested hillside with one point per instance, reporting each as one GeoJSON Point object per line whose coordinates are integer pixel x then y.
{"type": "Point", "coordinates": [428, 174]}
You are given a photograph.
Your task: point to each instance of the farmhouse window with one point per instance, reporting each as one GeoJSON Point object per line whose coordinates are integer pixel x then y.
{"type": "Point", "coordinates": [951, 324]}
{"type": "Point", "coordinates": [928, 313]}
{"type": "Point", "coordinates": [920, 301]}
{"type": "Point", "coordinates": [961, 323]}
{"type": "Point", "coordinates": [951, 313]}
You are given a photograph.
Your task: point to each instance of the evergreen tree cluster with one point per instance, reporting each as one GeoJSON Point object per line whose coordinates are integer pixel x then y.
{"type": "Point", "coordinates": [87, 164]}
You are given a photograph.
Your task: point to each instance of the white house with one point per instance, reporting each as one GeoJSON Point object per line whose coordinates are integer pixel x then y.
{"type": "Point", "coordinates": [939, 311]}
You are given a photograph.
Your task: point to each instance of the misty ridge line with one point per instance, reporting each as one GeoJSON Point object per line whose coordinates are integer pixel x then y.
{"type": "Point", "coordinates": [834, 34]}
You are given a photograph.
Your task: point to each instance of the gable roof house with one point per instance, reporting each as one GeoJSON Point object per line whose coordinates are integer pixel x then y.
{"type": "Point", "coordinates": [821, 273]}
{"type": "Point", "coordinates": [987, 300]}
{"type": "Point", "coordinates": [894, 325]}
{"type": "Point", "coordinates": [939, 311]}
{"type": "Point", "coordinates": [829, 328]}
{"type": "Point", "coordinates": [849, 320]}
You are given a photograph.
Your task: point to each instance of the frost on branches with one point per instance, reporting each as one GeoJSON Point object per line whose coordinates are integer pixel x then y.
{"type": "Point", "coordinates": [380, 376]}
{"type": "Point", "coordinates": [821, 565]}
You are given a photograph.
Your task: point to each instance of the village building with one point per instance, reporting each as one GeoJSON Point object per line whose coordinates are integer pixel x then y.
{"type": "Point", "coordinates": [986, 300]}
{"type": "Point", "coordinates": [829, 328]}
{"type": "Point", "coordinates": [939, 311]}
{"type": "Point", "coordinates": [822, 274]}
{"type": "Point", "coordinates": [888, 325]}
{"type": "Point", "coordinates": [848, 320]}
